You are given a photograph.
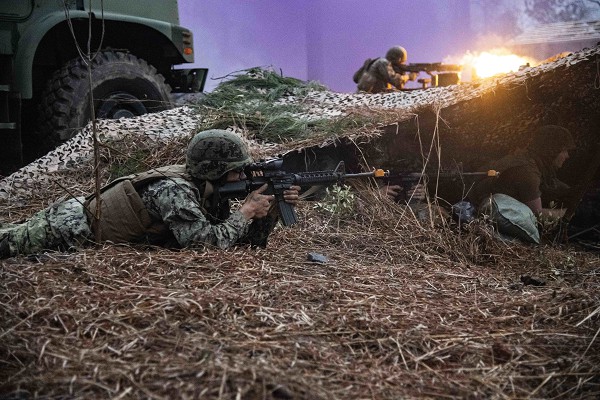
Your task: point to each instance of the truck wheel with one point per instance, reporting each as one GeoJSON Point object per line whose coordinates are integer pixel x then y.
{"type": "Point", "coordinates": [123, 86]}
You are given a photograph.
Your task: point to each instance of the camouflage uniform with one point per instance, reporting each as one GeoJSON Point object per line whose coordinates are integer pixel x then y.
{"type": "Point", "coordinates": [525, 176]}
{"type": "Point", "coordinates": [376, 78]}
{"type": "Point", "coordinates": [529, 173]}
{"type": "Point", "coordinates": [191, 221]}
{"type": "Point", "coordinates": [174, 202]}
{"type": "Point", "coordinates": [61, 226]}
{"type": "Point", "coordinates": [170, 206]}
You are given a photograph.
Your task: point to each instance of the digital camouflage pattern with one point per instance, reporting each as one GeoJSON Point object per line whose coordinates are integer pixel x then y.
{"type": "Point", "coordinates": [214, 152]}
{"type": "Point", "coordinates": [62, 226]}
{"type": "Point", "coordinates": [175, 201]}
{"type": "Point", "coordinates": [376, 75]}
{"type": "Point", "coordinates": [191, 221]}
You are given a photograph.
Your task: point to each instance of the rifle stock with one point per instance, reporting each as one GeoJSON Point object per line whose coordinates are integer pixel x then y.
{"type": "Point", "coordinates": [271, 173]}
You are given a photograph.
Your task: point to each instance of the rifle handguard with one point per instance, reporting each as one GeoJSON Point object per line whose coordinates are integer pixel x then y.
{"type": "Point", "coordinates": [271, 172]}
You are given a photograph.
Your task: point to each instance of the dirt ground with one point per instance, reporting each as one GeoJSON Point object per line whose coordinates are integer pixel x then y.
{"type": "Point", "coordinates": [399, 309]}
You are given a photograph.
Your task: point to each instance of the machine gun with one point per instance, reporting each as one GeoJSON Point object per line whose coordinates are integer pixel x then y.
{"type": "Point", "coordinates": [447, 74]}
{"type": "Point", "coordinates": [271, 173]}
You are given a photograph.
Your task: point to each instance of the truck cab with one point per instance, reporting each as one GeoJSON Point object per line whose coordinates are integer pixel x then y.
{"type": "Point", "coordinates": [50, 49]}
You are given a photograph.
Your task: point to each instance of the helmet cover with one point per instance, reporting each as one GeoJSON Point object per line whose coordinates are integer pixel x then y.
{"type": "Point", "coordinates": [214, 152]}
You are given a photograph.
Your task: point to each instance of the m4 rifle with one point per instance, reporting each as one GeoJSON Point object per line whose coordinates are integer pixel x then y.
{"type": "Point", "coordinates": [407, 180]}
{"type": "Point", "coordinates": [278, 180]}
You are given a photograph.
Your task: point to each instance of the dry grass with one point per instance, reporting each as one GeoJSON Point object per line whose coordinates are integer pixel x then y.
{"type": "Point", "coordinates": [400, 310]}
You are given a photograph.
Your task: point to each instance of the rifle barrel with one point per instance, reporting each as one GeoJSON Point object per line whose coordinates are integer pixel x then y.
{"type": "Point", "coordinates": [378, 173]}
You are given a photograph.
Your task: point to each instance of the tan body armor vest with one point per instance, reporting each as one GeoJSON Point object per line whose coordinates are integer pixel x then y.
{"type": "Point", "coordinates": [123, 216]}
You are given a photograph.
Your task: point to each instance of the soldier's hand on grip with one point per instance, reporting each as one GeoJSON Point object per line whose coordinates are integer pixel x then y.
{"type": "Point", "coordinates": [392, 191]}
{"type": "Point", "coordinates": [256, 204]}
{"type": "Point", "coordinates": [291, 195]}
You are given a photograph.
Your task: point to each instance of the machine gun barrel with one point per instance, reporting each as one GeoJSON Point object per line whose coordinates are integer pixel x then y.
{"type": "Point", "coordinates": [430, 67]}
{"type": "Point", "coordinates": [440, 74]}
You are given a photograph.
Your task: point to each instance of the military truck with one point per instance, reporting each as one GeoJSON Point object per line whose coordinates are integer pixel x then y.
{"type": "Point", "coordinates": [44, 80]}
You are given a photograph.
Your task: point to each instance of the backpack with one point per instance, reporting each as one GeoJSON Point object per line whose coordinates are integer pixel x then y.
{"type": "Point", "coordinates": [512, 219]}
{"type": "Point", "coordinates": [366, 65]}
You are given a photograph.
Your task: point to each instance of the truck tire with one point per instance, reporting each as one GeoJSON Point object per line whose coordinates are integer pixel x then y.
{"type": "Point", "coordinates": [123, 86]}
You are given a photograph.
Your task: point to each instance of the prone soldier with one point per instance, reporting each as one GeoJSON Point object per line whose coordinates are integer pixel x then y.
{"type": "Point", "coordinates": [174, 206]}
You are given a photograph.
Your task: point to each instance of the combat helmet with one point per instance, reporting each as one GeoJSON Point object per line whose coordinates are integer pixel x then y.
{"type": "Point", "coordinates": [214, 152]}
{"type": "Point", "coordinates": [397, 55]}
{"type": "Point", "coordinates": [549, 140]}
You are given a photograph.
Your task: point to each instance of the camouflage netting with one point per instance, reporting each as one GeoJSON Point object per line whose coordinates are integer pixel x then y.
{"type": "Point", "coordinates": [400, 309]}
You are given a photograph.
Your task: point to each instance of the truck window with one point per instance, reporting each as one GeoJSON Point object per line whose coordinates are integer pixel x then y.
{"type": "Point", "coordinates": [15, 9]}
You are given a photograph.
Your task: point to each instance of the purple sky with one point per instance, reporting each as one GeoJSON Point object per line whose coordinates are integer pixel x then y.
{"type": "Point", "coordinates": [327, 40]}
{"type": "Point", "coordinates": [320, 40]}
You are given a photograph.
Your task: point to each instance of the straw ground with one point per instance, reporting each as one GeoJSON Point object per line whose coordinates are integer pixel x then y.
{"type": "Point", "coordinates": [401, 309]}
